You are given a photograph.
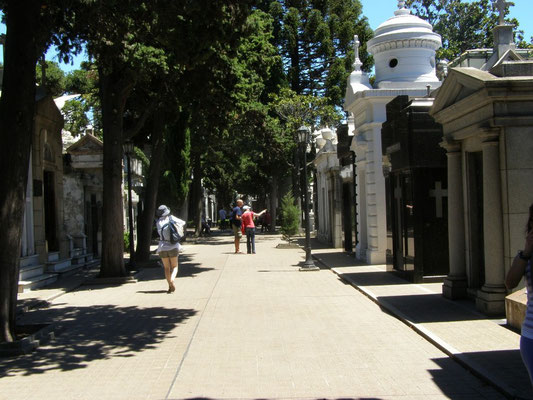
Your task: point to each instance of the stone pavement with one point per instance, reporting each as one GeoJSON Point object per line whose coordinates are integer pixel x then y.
{"type": "Point", "coordinates": [486, 346]}
{"type": "Point", "coordinates": [243, 327]}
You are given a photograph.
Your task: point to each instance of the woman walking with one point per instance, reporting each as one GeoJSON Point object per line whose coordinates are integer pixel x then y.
{"type": "Point", "coordinates": [168, 248]}
{"type": "Point", "coordinates": [522, 267]}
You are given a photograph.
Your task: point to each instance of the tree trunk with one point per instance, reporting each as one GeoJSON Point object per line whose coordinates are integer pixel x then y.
{"type": "Point", "coordinates": [273, 203]}
{"type": "Point", "coordinates": [114, 90]}
{"type": "Point", "coordinates": [17, 109]}
{"type": "Point", "coordinates": [146, 220]}
{"type": "Point", "coordinates": [196, 197]}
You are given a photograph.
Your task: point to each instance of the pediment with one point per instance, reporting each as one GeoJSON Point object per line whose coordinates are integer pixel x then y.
{"type": "Point", "coordinates": [460, 84]}
{"type": "Point", "coordinates": [88, 144]}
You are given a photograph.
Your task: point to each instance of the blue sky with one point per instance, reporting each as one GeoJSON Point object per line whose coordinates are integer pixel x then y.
{"type": "Point", "coordinates": [377, 11]}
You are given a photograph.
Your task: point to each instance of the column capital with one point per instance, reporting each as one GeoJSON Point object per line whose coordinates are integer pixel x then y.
{"type": "Point", "coordinates": [490, 135]}
{"type": "Point", "coordinates": [451, 146]}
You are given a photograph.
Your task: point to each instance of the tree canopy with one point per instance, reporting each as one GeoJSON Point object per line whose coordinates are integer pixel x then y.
{"type": "Point", "coordinates": [463, 25]}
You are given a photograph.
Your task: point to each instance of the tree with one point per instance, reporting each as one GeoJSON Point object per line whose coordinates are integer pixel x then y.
{"type": "Point", "coordinates": [315, 41]}
{"type": "Point", "coordinates": [30, 26]}
{"type": "Point", "coordinates": [54, 81]}
{"type": "Point", "coordinates": [290, 217]}
{"type": "Point", "coordinates": [462, 25]}
{"type": "Point", "coordinates": [129, 40]}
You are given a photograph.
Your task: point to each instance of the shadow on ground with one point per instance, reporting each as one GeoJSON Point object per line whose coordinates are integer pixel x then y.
{"type": "Point", "coordinates": [508, 363]}
{"type": "Point", "coordinates": [98, 332]}
{"type": "Point", "coordinates": [426, 308]}
{"type": "Point", "coordinates": [306, 398]}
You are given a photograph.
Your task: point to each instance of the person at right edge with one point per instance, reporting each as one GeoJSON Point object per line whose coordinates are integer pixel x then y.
{"type": "Point", "coordinates": [520, 267]}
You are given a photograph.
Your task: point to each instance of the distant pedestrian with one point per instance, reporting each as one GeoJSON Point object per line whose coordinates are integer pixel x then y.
{"type": "Point", "coordinates": [266, 221]}
{"type": "Point", "coordinates": [222, 219]}
{"type": "Point", "coordinates": [249, 227]}
{"type": "Point", "coordinates": [168, 250]}
{"type": "Point", "coordinates": [520, 267]}
{"type": "Point", "coordinates": [205, 226]}
{"type": "Point", "coordinates": [236, 224]}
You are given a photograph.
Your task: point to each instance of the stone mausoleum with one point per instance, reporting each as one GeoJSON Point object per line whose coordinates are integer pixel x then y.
{"type": "Point", "coordinates": [404, 51]}
{"type": "Point", "coordinates": [487, 120]}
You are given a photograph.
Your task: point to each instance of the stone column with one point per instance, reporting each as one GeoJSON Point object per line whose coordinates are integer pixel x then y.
{"type": "Point", "coordinates": [455, 283]}
{"type": "Point", "coordinates": [491, 297]}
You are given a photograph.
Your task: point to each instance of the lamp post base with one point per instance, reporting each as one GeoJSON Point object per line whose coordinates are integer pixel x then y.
{"type": "Point", "coordinates": [309, 264]}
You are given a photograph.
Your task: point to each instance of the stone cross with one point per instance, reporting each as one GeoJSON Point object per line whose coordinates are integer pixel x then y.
{"type": "Point", "coordinates": [357, 62]}
{"type": "Point", "coordinates": [42, 61]}
{"type": "Point", "coordinates": [439, 194]}
{"type": "Point", "coordinates": [501, 6]}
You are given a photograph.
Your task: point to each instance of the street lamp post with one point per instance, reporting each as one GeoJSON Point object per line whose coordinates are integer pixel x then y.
{"type": "Point", "coordinates": [309, 265]}
{"type": "Point", "coordinates": [128, 150]}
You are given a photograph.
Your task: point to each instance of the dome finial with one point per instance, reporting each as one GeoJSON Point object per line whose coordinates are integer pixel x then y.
{"type": "Point", "coordinates": [402, 9]}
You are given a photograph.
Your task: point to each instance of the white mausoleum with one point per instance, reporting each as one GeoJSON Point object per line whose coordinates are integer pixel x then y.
{"type": "Point", "coordinates": [404, 51]}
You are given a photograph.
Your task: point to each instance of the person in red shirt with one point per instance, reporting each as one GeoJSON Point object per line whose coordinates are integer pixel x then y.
{"type": "Point", "coordinates": [247, 220]}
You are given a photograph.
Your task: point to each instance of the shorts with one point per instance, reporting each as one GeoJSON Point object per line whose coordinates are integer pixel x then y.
{"type": "Point", "coordinates": [168, 253]}
{"type": "Point", "coordinates": [236, 231]}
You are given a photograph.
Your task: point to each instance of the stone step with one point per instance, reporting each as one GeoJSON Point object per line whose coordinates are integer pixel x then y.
{"type": "Point", "coordinates": [53, 256]}
{"type": "Point", "coordinates": [92, 263]}
{"type": "Point", "coordinates": [29, 271]}
{"type": "Point", "coordinates": [36, 282]}
{"type": "Point", "coordinates": [76, 252]}
{"type": "Point", "coordinates": [79, 259]}
{"type": "Point", "coordinates": [69, 270]}
{"type": "Point", "coordinates": [59, 265]}
{"type": "Point", "coordinates": [29, 260]}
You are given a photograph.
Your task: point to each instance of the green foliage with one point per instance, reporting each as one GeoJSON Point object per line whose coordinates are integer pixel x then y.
{"type": "Point", "coordinates": [176, 174]}
{"type": "Point", "coordinates": [126, 241]}
{"type": "Point", "coordinates": [297, 109]}
{"type": "Point", "coordinates": [290, 217]}
{"type": "Point", "coordinates": [315, 41]}
{"type": "Point", "coordinates": [54, 77]}
{"type": "Point", "coordinates": [463, 25]}
{"type": "Point", "coordinates": [85, 109]}
{"type": "Point", "coordinates": [75, 114]}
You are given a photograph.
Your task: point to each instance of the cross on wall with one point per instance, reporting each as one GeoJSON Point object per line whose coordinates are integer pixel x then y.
{"type": "Point", "coordinates": [439, 193]}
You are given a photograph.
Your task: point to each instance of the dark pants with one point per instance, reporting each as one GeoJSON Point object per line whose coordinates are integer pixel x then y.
{"type": "Point", "coordinates": [250, 240]}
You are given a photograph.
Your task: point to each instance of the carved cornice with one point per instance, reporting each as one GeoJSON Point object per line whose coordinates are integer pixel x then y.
{"type": "Point", "coordinates": [404, 43]}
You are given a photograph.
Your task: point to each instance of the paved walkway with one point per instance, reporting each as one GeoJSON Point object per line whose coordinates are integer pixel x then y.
{"type": "Point", "coordinates": [253, 326]}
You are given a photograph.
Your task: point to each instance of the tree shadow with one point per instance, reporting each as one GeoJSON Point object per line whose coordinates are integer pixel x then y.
{"type": "Point", "coordinates": [318, 398]}
{"type": "Point", "coordinates": [98, 332]}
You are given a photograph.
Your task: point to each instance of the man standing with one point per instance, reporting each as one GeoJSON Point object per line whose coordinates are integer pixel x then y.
{"type": "Point", "coordinates": [236, 215]}
{"type": "Point", "coordinates": [222, 219]}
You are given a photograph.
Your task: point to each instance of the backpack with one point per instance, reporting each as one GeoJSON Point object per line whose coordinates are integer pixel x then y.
{"type": "Point", "coordinates": [172, 232]}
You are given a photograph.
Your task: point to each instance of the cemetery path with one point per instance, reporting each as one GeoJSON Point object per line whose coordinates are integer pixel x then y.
{"type": "Point", "coordinates": [237, 327]}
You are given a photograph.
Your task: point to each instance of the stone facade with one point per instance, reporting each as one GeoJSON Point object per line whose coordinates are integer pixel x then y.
{"type": "Point", "coordinates": [83, 190]}
{"type": "Point", "coordinates": [488, 134]}
{"type": "Point", "coordinates": [46, 182]}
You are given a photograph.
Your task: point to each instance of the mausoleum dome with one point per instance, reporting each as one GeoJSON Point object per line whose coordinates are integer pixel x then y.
{"type": "Point", "coordinates": [404, 50]}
